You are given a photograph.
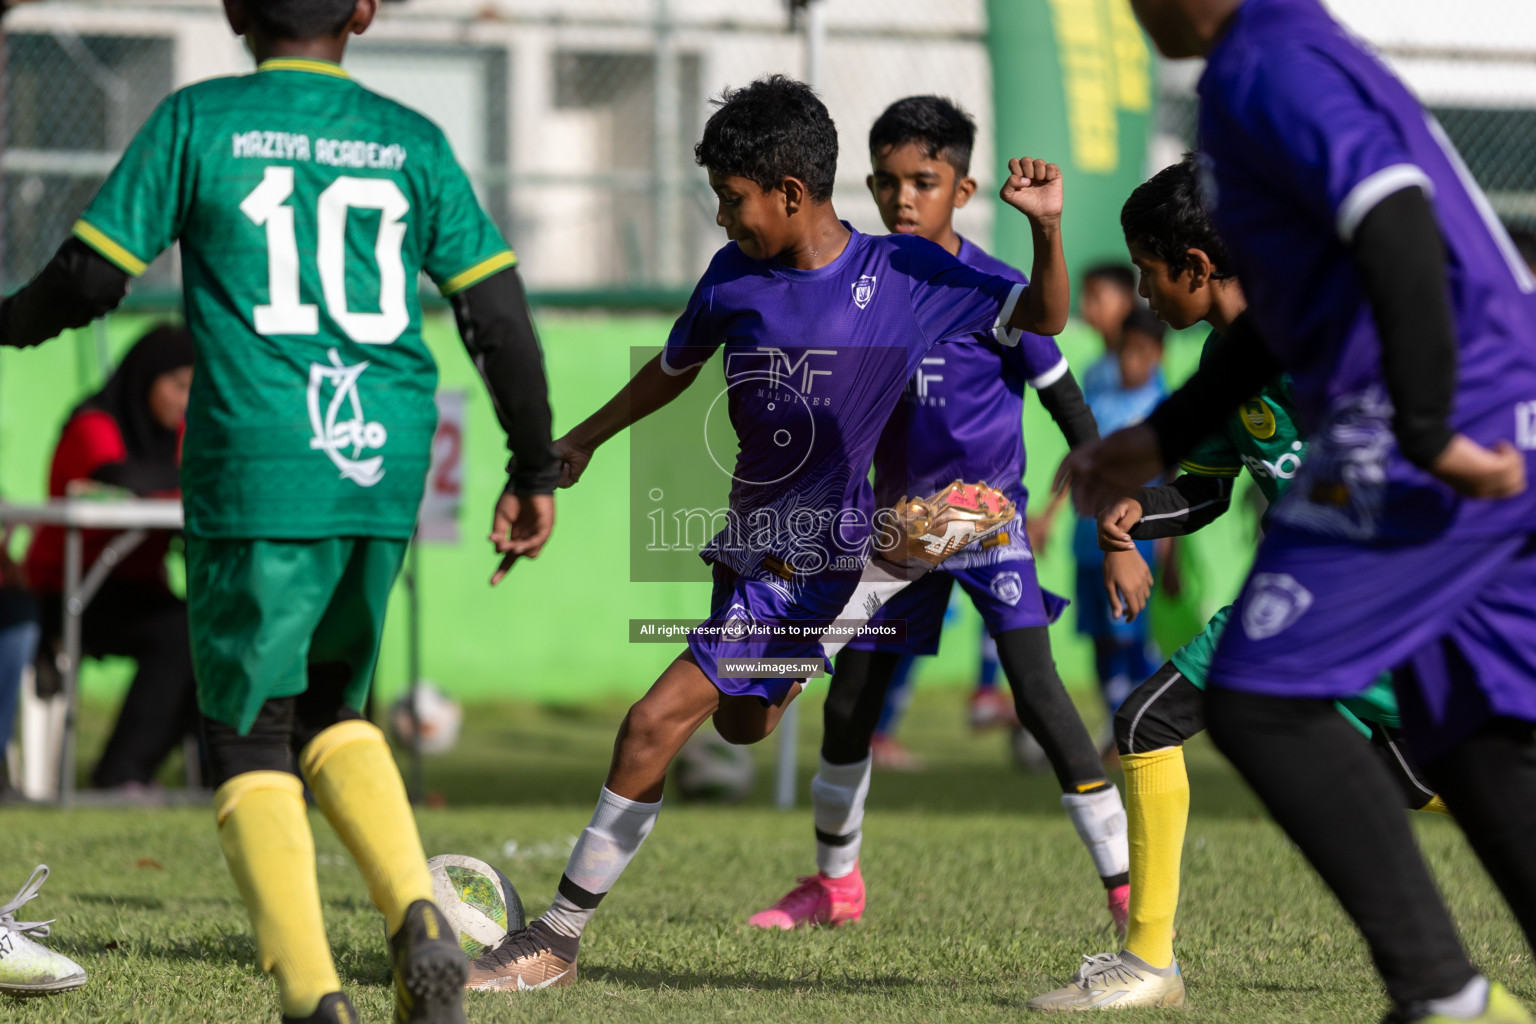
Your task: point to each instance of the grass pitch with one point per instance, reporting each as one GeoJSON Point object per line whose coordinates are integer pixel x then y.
{"type": "Point", "coordinates": [980, 896]}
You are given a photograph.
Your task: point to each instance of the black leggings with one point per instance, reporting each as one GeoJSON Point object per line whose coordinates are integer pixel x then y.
{"type": "Point", "coordinates": [1489, 784]}
{"type": "Point", "coordinates": [858, 689]}
{"type": "Point", "coordinates": [147, 623]}
{"type": "Point", "coordinates": [283, 727]}
{"type": "Point", "coordinates": [1337, 803]}
{"type": "Point", "coordinates": [1168, 710]}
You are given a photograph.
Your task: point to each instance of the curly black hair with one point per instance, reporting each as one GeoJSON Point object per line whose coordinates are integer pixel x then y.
{"type": "Point", "coordinates": [773, 129]}
{"type": "Point", "coordinates": [301, 19]}
{"type": "Point", "coordinates": [1166, 217]}
{"type": "Point", "coordinates": [946, 132]}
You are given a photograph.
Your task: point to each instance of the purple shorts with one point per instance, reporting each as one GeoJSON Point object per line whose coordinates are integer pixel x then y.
{"type": "Point", "coordinates": [796, 613]}
{"type": "Point", "coordinates": [1322, 618]}
{"type": "Point", "coordinates": [1007, 594]}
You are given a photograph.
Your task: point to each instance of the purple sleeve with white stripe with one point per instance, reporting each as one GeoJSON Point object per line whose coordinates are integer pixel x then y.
{"type": "Point", "coordinates": [950, 299]}
{"type": "Point", "coordinates": [1038, 358]}
{"type": "Point", "coordinates": [1345, 151]}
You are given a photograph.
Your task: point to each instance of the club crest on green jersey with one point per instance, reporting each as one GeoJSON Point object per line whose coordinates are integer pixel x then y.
{"type": "Point", "coordinates": [1259, 418]}
{"type": "Point", "coordinates": [343, 440]}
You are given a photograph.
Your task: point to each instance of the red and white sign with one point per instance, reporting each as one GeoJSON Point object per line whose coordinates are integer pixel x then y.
{"type": "Point", "coordinates": [438, 519]}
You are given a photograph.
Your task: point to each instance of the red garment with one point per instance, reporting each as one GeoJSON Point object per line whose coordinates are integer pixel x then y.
{"type": "Point", "coordinates": [91, 440]}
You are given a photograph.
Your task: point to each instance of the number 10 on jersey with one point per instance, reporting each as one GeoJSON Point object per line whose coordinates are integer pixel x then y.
{"type": "Point", "coordinates": [285, 312]}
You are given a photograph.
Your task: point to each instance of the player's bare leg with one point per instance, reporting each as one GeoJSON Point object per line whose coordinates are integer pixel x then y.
{"type": "Point", "coordinates": [656, 727]}
{"type": "Point", "coordinates": [544, 954]}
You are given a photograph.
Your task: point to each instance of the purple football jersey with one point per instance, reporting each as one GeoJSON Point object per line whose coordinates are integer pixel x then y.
{"type": "Point", "coordinates": [961, 416]}
{"type": "Point", "coordinates": [1304, 131]}
{"type": "Point", "coordinates": [814, 362]}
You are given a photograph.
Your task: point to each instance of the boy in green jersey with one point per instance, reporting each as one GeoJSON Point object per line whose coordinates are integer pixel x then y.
{"type": "Point", "coordinates": [1183, 276]}
{"type": "Point", "coordinates": [306, 208]}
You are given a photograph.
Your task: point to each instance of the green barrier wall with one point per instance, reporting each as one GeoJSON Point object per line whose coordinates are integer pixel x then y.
{"type": "Point", "coordinates": [1072, 82]}
{"type": "Point", "coordinates": [557, 631]}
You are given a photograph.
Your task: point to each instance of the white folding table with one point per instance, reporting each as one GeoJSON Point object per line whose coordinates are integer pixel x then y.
{"type": "Point", "coordinates": [131, 519]}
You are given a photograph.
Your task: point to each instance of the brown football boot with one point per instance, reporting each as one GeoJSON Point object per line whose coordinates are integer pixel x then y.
{"type": "Point", "coordinates": [525, 960]}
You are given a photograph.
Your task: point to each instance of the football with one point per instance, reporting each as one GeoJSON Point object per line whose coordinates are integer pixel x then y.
{"type": "Point", "coordinates": [478, 901]}
{"type": "Point", "coordinates": [439, 714]}
{"type": "Point", "coordinates": [710, 769]}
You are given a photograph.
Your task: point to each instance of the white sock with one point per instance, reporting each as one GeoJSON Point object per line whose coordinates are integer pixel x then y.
{"type": "Point", "coordinates": [878, 583]}
{"type": "Point", "coordinates": [1470, 1002]}
{"type": "Point", "coordinates": [603, 851]}
{"type": "Point", "coordinates": [837, 798]}
{"type": "Point", "coordinates": [1100, 822]}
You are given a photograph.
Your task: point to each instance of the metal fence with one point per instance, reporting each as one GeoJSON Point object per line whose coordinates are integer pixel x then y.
{"type": "Point", "coordinates": [577, 118]}
{"type": "Point", "coordinates": [1473, 66]}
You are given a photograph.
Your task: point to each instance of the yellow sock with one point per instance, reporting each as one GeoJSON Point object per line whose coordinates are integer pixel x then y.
{"type": "Point", "coordinates": [1436, 806]}
{"type": "Point", "coordinates": [267, 844]}
{"type": "Point", "coordinates": [1157, 811]}
{"type": "Point", "coordinates": [359, 790]}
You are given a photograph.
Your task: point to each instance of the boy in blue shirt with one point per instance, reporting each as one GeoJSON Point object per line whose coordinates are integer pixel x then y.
{"type": "Point", "coordinates": [821, 328]}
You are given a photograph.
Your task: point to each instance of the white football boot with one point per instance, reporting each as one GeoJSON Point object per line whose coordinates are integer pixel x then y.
{"type": "Point", "coordinates": [1115, 981]}
{"type": "Point", "coordinates": [28, 968]}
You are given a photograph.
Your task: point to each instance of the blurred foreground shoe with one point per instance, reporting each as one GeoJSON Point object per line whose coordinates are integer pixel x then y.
{"type": "Point", "coordinates": [817, 899]}
{"type": "Point", "coordinates": [929, 530]}
{"type": "Point", "coordinates": [334, 1008]}
{"type": "Point", "coordinates": [429, 968]}
{"type": "Point", "coordinates": [1502, 1008]}
{"type": "Point", "coordinates": [1115, 981]}
{"type": "Point", "coordinates": [28, 968]}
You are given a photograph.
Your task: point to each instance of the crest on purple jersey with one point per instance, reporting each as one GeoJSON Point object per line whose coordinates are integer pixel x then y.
{"type": "Point", "coordinates": [863, 290]}
{"type": "Point", "coordinates": [1275, 602]}
{"type": "Point", "coordinates": [1008, 587]}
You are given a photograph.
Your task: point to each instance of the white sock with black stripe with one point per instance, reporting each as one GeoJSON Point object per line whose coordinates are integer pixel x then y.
{"type": "Point", "coordinates": [603, 851]}
{"type": "Point", "coordinates": [837, 798]}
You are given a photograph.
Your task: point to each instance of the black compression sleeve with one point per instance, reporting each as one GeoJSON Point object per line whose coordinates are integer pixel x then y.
{"type": "Point", "coordinates": [77, 286]}
{"type": "Point", "coordinates": [1400, 257]}
{"type": "Point", "coordinates": [498, 331]}
{"type": "Point", "coordinates": [1232, 370]}
{"type": "Point", "coordinates": [1064, 401]}
{"type": "Point", "coordinates": [1189, 503]}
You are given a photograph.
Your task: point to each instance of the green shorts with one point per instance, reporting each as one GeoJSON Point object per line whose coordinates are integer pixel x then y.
{"type": "Point", "coordinates": [262, 611]}
{"type": "Point", "coordinates": [1376, 706]}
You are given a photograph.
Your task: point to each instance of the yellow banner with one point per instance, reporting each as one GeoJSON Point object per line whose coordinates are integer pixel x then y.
{"type": "Point", "coordinates": [1105, 68]}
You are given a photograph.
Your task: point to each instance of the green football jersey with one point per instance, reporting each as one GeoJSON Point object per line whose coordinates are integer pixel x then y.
{"type": "Point", "coordinates": [1262, 436]}
{"type": "Point", "coordinates": [307, 207]}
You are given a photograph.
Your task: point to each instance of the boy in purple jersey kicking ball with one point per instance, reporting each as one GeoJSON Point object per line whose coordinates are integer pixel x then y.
{"type": "Point", "coordinates": [959, 417]}
{"type": "Point", "coordinates": [821, 327]}
{"type": "Point", "coordinates": [1378, 278]}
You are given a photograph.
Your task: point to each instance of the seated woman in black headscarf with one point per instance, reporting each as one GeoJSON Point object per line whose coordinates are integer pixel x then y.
{"type": "Point", "coordinates": [128, 435]}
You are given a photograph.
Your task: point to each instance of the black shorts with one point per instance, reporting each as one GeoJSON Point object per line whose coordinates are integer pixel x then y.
{"type": "Point", "coordinates": [1167, 710]}
{"type": "Point", "coordinates": [1164, 711]}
